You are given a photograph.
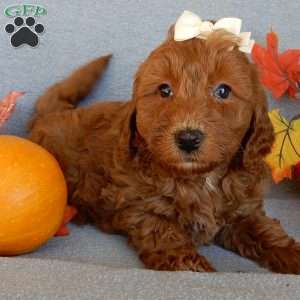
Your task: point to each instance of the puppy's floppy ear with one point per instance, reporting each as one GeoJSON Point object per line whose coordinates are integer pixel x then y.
{"type": "Point", "coordinates": [259, 138]}
{"type": "Point", "coordinates": [127, 144]}
{"type": "Point", "coordinates": [132, 146]}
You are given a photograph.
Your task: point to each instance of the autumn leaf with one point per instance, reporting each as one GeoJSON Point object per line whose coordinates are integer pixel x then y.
{"type": "Point", "coordinates": [69, 214]}
{"type": "Point", "coordinates": [280, 73]}
{"type": "Point", "coordinates": [272, 43]}
{"type": "Point", "coordinates": [286, 148]}
{"type": "Point", "coordinates": [7, 105]}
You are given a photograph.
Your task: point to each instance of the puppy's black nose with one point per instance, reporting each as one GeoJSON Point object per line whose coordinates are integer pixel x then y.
{"type": "Point", "coordinates": [189, 140]}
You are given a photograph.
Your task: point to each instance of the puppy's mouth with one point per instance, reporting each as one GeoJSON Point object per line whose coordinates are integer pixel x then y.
{"type": "Point", "coordinates": [195, 167]}
{"type": "Point", "coordinates": [188, 167]}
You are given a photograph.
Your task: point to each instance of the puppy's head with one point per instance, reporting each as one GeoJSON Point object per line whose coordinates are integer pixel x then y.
{"type": "Point", "coordinates": [198, 103]}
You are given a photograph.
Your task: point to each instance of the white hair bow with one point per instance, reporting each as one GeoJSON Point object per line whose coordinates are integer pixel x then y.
{"type": "Point", "coordinates": [189, 26]}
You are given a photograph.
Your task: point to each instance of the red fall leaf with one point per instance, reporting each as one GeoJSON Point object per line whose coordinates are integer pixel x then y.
{"type": "Point", "coordinates": [280, 73]}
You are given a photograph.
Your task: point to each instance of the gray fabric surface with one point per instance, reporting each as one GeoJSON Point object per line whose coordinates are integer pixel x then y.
{"type": "Point", "coordinates": [42, 280]}
{"type": "Point", "coordinates": [89, 264]}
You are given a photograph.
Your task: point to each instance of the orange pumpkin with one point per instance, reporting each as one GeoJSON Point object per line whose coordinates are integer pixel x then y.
{"type": "Point", "coordinates": [33, 196]}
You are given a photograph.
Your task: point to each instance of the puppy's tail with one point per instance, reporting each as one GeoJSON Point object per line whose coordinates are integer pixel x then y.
{"type": "Point", "coordinates": [68, 92]}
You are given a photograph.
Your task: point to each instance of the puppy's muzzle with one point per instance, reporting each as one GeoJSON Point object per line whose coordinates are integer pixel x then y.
{"type": "Point", "coordinates": [189, 140]}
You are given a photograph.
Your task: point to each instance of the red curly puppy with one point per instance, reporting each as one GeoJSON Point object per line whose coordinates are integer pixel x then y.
{"type": "Point", "coordinates": [178, 166]}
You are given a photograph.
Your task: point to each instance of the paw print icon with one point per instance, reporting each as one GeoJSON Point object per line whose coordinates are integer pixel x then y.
{"type": "Point", "coordinates": [24, 32]}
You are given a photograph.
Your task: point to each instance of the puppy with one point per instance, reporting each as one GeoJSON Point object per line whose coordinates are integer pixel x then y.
{"type": "Point", "coordinates": [179, 165]}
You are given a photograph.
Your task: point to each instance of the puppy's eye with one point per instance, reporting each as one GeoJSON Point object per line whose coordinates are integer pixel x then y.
{"type": "Point", "coordinates": [165, 90]}
{"type": "Point", "coordinates": [222, 91]}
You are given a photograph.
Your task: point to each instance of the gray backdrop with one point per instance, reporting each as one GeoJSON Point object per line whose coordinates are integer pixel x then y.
{"type": "Point", "coordinates": [77, 31]}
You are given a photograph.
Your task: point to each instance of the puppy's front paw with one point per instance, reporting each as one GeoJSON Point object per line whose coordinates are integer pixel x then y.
{"type": "Point", "coordinates": [202, 228]}
{"type": "Point", "coordinates": [284, 260]}
{"type": "Point", "coordinates": [177, 260]}
{"type": "Point", "coordinates": [204, 231]}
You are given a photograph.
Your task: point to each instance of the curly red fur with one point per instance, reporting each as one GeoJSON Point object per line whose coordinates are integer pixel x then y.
{"type": "Point", "coordinates": [126, 174]}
